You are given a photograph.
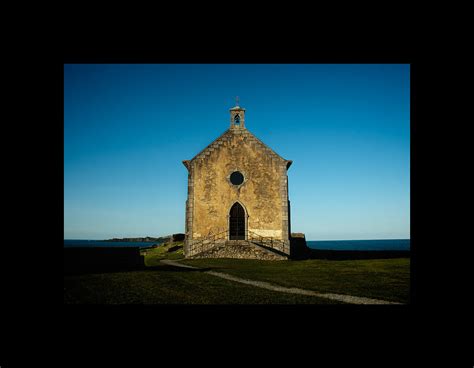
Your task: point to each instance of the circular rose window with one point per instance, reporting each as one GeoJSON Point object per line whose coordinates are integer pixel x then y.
{"type": "Point", "coordinates": [236, 178]}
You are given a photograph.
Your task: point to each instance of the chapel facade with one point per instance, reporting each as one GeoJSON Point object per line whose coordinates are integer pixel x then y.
{"type": "Point", "coordinates": [237, 204]}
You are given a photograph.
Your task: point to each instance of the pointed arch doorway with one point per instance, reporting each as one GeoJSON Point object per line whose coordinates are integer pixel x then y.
{"type": "Point", "coordinates": [237, 222]}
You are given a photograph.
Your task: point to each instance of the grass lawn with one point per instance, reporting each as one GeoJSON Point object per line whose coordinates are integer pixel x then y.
{"type": "Point", "coordinates": [167, 251]}
{"type": "Point", "coordinates": [170, 285]}
{"type": "Point", "coordinates": [387, 279]}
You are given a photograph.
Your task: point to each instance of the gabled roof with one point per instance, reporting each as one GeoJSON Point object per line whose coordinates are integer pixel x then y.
{"type": "Point", "coordinates": [227, 135]}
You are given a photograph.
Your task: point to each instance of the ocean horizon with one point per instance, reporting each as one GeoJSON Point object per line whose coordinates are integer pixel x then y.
{"type": "Point", "coordinates": [369, 244]}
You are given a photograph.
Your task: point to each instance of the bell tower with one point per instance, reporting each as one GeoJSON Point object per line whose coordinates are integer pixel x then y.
{"type": "Point", "coordinates": [237, 116]}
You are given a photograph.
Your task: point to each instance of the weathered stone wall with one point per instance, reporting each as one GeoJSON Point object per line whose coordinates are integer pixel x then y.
{"type": "Point", "coordinates": [263, 194]}
{"type": "Point", "coordinates": [240, 250]}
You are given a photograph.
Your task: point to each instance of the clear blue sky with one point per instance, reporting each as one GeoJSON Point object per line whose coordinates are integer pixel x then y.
{"type": "Point", "coordinates": [128, 127]}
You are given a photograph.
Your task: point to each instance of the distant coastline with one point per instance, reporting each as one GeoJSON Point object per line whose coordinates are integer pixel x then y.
{"type": "Point", "coordinates": [146, 239]}
{"type": "Point", "coordinates": [143, 241]}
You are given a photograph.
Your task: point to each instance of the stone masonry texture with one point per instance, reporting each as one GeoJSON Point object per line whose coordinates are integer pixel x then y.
{"type": "Point", "coordinates": [263, 194]}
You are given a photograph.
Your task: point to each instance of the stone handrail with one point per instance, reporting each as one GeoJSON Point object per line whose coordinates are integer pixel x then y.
{"type": "Point", "coordinates": [207, 242]}
{"type": "Point", "coordinates": [265, 240]}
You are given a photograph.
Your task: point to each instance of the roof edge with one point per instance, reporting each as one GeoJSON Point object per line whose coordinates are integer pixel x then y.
{"type": "Point", "coordinates": [271, 149]}
{"type": "Point", "coordinates": [188, 163]}
{"type": "Point", "coordinates": [205, 148]}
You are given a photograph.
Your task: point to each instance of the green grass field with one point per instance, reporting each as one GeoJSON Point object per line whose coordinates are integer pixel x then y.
{"type": "Point", "coordinates": [387, 279]}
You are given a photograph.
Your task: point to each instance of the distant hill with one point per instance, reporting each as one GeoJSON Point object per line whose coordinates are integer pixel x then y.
{"type": "Point", "coordinates": [161, 239]}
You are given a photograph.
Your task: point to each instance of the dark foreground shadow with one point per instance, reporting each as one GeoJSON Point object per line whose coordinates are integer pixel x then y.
{"type": "Point", "coordinates": [170, 268]}
{"type": "Point", "coordinates": [102, 259]}
{"type": "Point", "coordinates": [356, 254]}
{"type": "Point", "coordinates": [301, 251]}
{"type": "Point", "coordinates": [113, 259]}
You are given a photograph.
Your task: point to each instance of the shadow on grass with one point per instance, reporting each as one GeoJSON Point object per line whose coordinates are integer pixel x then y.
{"type": "Point", "coordinates": [171, 268]}
{"type": "Point", "coordinates": [356, 254]}
{"type": "Point", "coordinates": [161, 268]}
{"type": "Point", "coordinates": [175, 248]}
{"type": "Point", "coordinates": [97, 259]}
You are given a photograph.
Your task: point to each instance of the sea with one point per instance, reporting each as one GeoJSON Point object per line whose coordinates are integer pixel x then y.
{"type": "Point", "coordinates": [380, 244]}
{"type": "Point", "coordinates": [375, 244]}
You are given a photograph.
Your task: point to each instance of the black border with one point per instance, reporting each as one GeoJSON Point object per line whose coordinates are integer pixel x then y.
{"type": "Point", "coordinates": [391, 333]}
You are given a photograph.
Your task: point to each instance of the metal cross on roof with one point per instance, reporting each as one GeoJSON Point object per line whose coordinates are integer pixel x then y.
{"type": "Point", "coordinates": [237, 101]}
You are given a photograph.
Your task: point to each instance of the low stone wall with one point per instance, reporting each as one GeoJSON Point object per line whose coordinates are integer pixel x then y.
{"type": "Point", "coordinates": [298, 246]}
{"type": "Point", "coordinates": [240, 251]}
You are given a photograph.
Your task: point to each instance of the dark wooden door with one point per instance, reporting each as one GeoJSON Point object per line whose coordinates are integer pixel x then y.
{"type": "Point", "coordinates": [237, 222]}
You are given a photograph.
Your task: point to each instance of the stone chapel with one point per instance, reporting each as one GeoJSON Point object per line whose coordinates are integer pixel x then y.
{"type": "Point", "coordinates": [237, 204]}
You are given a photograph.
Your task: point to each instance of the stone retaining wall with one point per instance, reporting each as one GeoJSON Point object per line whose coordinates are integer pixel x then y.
{"type": "Point", "coordinates": [240, 251]}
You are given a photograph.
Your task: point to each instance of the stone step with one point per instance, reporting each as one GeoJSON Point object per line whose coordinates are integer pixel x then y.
{"type": "Point", "coordinates": [237, 242]}
{"type": "Point", "coordinates": [242, 249]}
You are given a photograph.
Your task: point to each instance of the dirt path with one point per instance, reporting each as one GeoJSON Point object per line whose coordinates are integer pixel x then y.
{"type": "Point", "coordinates": [265, 285]}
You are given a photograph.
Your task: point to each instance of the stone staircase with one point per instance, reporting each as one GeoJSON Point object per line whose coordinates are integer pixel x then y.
{"type": "Point", "coordinates": [242, 249]}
